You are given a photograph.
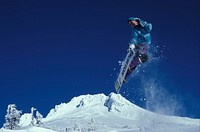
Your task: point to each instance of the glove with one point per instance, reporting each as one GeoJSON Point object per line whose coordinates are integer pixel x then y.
{"type": "Point", "coordinates": [132, 47]}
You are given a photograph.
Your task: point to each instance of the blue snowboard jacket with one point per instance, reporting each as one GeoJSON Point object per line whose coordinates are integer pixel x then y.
{"type": "Point", "coordinates": [141, 33]}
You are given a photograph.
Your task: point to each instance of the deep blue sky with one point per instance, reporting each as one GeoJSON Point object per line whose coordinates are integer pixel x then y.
{"type": "Point", "coordinates": [51, 51]}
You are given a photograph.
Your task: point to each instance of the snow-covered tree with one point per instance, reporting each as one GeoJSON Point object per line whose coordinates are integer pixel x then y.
{"type": "Point", "coordinates": [32, 116]}
{"type": "Point", "coordinates": [39, 117]}
{"type": "Point", "coordinates": [12, 117]}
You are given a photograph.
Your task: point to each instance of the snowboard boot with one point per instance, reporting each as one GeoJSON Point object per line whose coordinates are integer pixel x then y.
{"type": "Point", "coordinates": [129, 72]}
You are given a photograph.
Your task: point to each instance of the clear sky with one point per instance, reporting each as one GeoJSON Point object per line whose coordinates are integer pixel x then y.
{"type": "Point", "coordinates": [53, 50]}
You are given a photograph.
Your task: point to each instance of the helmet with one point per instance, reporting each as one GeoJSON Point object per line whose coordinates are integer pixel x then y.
{"type": "Point", "coordinates": [131, 19]}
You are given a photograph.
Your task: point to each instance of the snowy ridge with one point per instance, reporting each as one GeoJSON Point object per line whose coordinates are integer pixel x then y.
{"type": "Point", "coordinates": [113, 113]}
{"type": "Point", "coordinates": [114, 103]}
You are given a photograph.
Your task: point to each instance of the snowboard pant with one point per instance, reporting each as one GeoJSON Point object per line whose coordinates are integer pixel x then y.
{"type": "Point", "coordinates": [139, 58]}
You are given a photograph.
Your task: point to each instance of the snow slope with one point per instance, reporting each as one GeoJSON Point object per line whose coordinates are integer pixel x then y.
{"type": "Point", "coordinates": [113, 113]}
{"type": "Point", "coordinates": [28, 129]}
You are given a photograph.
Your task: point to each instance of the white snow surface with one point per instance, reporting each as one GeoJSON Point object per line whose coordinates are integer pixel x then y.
{"type": "Point", "coordinates": [101, 113]}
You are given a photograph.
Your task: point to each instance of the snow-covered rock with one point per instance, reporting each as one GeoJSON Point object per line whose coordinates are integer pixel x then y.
{"type": "Point", "coordinates": [25, 119]}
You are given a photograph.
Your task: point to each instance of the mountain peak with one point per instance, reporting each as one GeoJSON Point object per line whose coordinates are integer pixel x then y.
{"type": "Point", "coordinates": [113, 103]}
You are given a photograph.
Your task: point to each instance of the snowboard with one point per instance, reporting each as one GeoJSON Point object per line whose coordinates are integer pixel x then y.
{"type": "Point", "coordinates": [123, 70]}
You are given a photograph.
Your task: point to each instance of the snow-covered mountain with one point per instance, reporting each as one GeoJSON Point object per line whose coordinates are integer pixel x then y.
{"type": "Point", "coordinates": [113, 113]}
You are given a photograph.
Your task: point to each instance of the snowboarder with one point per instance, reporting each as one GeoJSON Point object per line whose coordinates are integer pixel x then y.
{"type": "Point", "coordinates": [139, 43]}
